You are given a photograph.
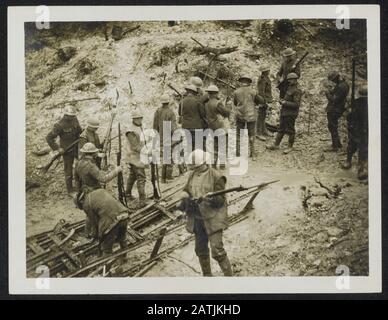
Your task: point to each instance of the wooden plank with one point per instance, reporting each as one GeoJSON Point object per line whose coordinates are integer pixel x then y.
{"type": "Point", "coordinates": [69, 253]}
{"type": "Point", "coordinates": [158, 243]}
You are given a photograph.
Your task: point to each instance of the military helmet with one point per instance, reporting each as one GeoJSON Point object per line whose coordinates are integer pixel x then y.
{"type": "Point", "coordinates": [199, 157]}
{"type": "Point", "coordinates": [264, 68]}
{"type": "Point", "coordinates": [288, 52]}
{"type": "Point", "coordinates": [292, 75]}
{"type": "Point", "coordinates": [191, 87]}
{"type": "Point", "coordinates": [165, 99]}
{"type": "Point", "coordinates": [70, 110]}
{"type": "Point", "coordinates": [197, 81]}
{"type": "Point", "coordinates": [245, 78]}
{"type": "Point", "coordinates": [93, 122]}
{"type": "Point", "coordinates": [89, 148]}
{"type": "Point", "coordinates": [212, 88]}
{"type": "Point", "coordinates": [333, 75]}
{"type": "Point", "coordinates": [137, 115]}
{"type": "Point", "coordinates": [363, 91]}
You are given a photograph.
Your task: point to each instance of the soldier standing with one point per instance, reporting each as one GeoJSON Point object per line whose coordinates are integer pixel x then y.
{"type": "Point", "coordinates": [215, 113]}
{"type": "Point", "coordinates": [90, 135]}
{"type": "Point", "coordinates": [264, 89]}
{"type": "Point", "coordinates": [134, 144]}
{"type": "Point", "coordinates": [197, 81]}
{"type": "Point", "coordinates": [88, 177]}
{"type": "Point", "coordinates": [358, 133]}
{"type": "Point", "coordinates": [108, 218]}
{"type": "Point", "coordinates": [245, 100]}
{"type": "Point", "coordinates": [193, 115]}
{"type": "Point", "coordinates": [288, 114]}
{"type": "Point", "coordinates": [335, 108]}
{"type": "Point", "coordinates": [287, 66]}
{"type": "Point", "coordinates": [165, 116]}
{"type": "Point", "coordinates": [68, 130]}
{"type": "Point", "coordinates": [206, 217]}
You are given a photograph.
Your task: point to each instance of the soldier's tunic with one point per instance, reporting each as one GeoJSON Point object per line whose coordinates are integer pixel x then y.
{"type": "Point", "coordinates": [104, 212]}
{"type": "Point", "coordinates": [288, 114]}
{"type": "Point", "coordinates": [264, 89]}
{"type": "Point", "coordinates": [358, 130]}
{"type": "Point", "coordinates": [216, 112]}
{"type": "Point", "coordinates": [287, 67]}
{"type": "Point", "coordinates": [335, 108]}
{"type": "Point", "coordinates": [209, 218]}
{"type": "Point", "coordinates": [193, 118]}
{"type": "Point", "coordinates": [68, 130]}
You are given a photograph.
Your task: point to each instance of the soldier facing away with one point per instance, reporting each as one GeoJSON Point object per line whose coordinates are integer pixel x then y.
{"type": "Point", "coordinates": [335, 108]}
{"type": "Point", "coordinates": [68, 130]}
{"type": "Point", "coordinates": [207, 217]}
{"type": "Point", "coordinates": [264, 89]}
{"type": "Point", "coordinates": [287, 66]}
{"type": "Point", "coordinates": [288, 114]}
{"type": "Point", "coordinates": [358, 133]}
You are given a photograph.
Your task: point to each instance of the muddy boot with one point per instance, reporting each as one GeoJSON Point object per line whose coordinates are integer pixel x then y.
{"type": "Point", "coordinates": [164, 173]}
{"type": "Point", "coordinates": [362, 172]}
{"type": "Point", "coordinates": [225, 266]}
{"type": "Point", "coordinates": [142, 194]}
{"type": "Point", "coordinates": [346, 165]}
{"type": "Point", "coordinates": [290, 145]}
{"type": "Point", "coordinates": [128, 192]}
{"type": "Point", "coordinates": [252, 146]}
{"type": "Point", "coordinates": [204, 261]}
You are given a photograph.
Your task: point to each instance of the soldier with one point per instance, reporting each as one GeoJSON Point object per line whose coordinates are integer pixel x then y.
{"type": "Point", "coordinates": [88, 177]}
{"type": "Point", "coordinates": [288, 114]}
{"type": "Point", "coordinates": [264, 89]}
{"type": "Point", "coordinates": [215, 113]}
{"type": "Point", "coordinates": [197, 81]}
{"type": "Point", "coordinates": [90, 135]}
{"type": "Point", "coordinates": [335, 108]}
{"type": "Point", "coordinates": [358, 133]}
{"type": "Point", "coordinates": [68, 130]}
{"type": "Point", "coordinates": [134, 144]}
{"type": "Point", "coordinates": [207, 218]}
{"type": "Point", "coordinates": [245, 99]}
{"type": "Point", "coordinates": [108, 217]}
{"type": "Point", "coordinates": [165, 114]}
{"type": "Point", "coordinates": [193, 115]}
{"type": "Point", "coordinates": [288, 65]}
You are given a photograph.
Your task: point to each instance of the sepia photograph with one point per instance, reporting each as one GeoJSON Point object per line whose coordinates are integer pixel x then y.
{"type": "Point", "coordinates": [197, 148]}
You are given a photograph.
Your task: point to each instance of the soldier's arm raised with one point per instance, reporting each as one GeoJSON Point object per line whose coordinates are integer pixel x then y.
{"type": "Point", "coordinates": [102, 176]}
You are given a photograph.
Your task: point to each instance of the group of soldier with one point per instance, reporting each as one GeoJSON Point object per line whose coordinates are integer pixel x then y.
{"type": "Point", "coordinates": [199, 109]}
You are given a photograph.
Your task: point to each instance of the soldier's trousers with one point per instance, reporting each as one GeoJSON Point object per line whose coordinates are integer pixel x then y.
{"type": "Point", "coordinates": [220, 149]}
{"type": "Point", "coordinates": [194, 141]}
{"type": "Point", "coordinates": [117, 234]}
{"type": "Point", "coordinates": [240, 125]}
{"type": "Point", "coordinates": [138, 175]}
{"type": "Point", "coordinates": [360, 145]}
{"type": "Point", "coordinates": [332, 124]}
{"type": "Point", "coordinates": [68, 161]}
{"type": "Point", "coordinates": [202, 240]}
{"type": "Point", "coordinates": [286, 126]}
{"type": "Point", "coordinates": [261, 128]}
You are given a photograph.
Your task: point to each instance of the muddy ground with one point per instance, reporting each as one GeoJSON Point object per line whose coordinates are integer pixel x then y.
{"type": "Point", "coordinates": [313, 220]}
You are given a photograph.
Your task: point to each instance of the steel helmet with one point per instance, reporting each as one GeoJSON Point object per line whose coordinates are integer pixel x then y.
{"type": "Point", "coordinates": [363, 91]}
{"type": "Point", "coordinates": [245, 78]}
{"type": "Point", "coordinates": [212, 88]}
{"type": "Point", "coordinates": [191, 87]}
{"type": "Point", "coordinates": [333, 75]}
{"type": "Point", "coordinates": [89, 148]}
{"type": "Point", "coordinates": [199, 157]}
{"type": "Point", "coordinates": [93, 122]}
{"type": "Point", "coordinates": [70, 110]}
{"type": "Point", "coordinates": [197, 81]}
{"type": "Point", "coordinates": [137, 115]}
{"type": "Point", "coordinates": [165, 99]}
{"type": "Point", "coordinates": [264, 68]}
{"type": "Point", "coordinates": [288, 52]}
{"type": "Point", "coordinates": [292, 75]}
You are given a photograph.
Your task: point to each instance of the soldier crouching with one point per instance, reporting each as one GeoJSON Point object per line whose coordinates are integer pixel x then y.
{"type": "Point", "coordinates": [206, 217]}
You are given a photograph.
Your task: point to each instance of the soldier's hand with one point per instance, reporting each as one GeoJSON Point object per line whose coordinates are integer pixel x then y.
{"type": "Point", "coordinates": [101, 154]}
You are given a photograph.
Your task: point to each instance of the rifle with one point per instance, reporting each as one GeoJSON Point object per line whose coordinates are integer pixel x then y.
{"type": "Point", "coordinates": [47, 166]}
{"type": "Point", "coordinates": [353, 83]}
{"type": "Point", "coordinates": [217, 79]}
{"type": "Point", "coordinates": [180, 103]}
{"type": "Point", "coordinates": [120, 179]}
{"type": "Point", "coordinates": [258, 188]}
{"type": "Point", "coordinates": [282, 84]}
{"type": "Point", "coordinates": [107, 138]}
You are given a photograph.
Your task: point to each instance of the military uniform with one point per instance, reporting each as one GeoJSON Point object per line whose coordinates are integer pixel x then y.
{"type": "Point", "coordinates": [208, 219]}
{"type": "Point", "coordinates": [215, 113]}
{"type": "Point", "coordinates": [264, 89]}
{"type": "Point", "coordinates": [108, 218]}
{"type": "Point", "coordinates": [163, 114]}
{"type": "Point", "coordinates": [90, 136]}
{"type": "Point", "coordinates": [288, 114]}
{"type": "Point", "coordinates": [335, 108]}
{"type": "Point", "coordinates": [245, 101]}
{"type": "Point", "coordinates": [68, 130]}
{"type": "Point", "coordinates": [287, 67]}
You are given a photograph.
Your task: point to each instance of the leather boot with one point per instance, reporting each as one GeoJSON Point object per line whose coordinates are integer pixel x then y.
{"type": "Point", "coordinates": [204, 261]}
{"type": "Point", "coordinates": [128, 192]}
{"type": "Point", "coordinates": [275, 145]}
{"type": "Point", "coordinates": [69, 184]}
{"type": "Point", "coordinates": [142, 194]}
{"type": "Point", "coordinates": [362, 173]}
{"type": "Point", "coordinates": [346, 165]}
{"type": "Point", "coordinates": [225, 266]}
